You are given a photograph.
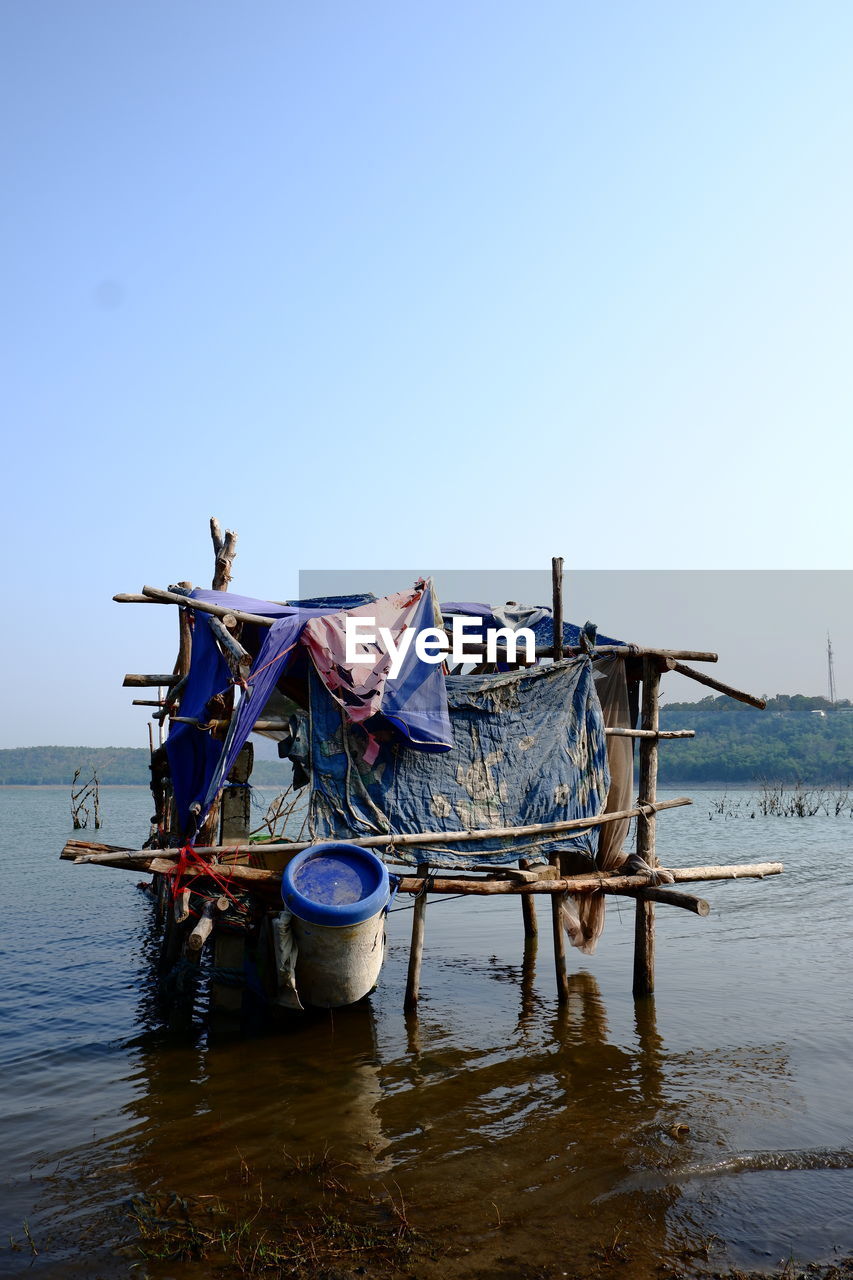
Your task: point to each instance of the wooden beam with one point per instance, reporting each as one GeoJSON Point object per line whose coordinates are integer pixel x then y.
{"type": "Point", "coordinates": [668, 896]}
{"type": "Point", "coordinates": [592, 882]}
{"type": "Point", "coordinates": [203, 606]}
{"type": "Point", "coordinates": [650, 733]}
{"type": "Point", "coordinates": [133, 681]}
{"type": "Point", "coordinates": [238, 659]}
{"type": "Point", "coordinates": [727, 689]}
{"type": "Point", "coordinates": [185, 638]}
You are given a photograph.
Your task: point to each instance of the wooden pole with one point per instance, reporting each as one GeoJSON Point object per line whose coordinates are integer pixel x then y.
{"type": "Point", "coordinates": [224, 550]}
{"type": "Point", "coordinates": [204, 928]}
{"type": "Point", "coordinates": [727, 689]}
{"type": "Point", "coordinates": [593, 882]}
{"type": "Point", "coordinates": [202, 606]}
{"type": "Point", "coordinates": [132, 681]}
{"type": "Point", "coordinates": [557, 604]}
{"type": "Point", "coordinates": [239, 661]}
{"type": "Point", "coordinates": [229, 949]}
{"type": "Point", "coordinates": [650, 733]}
{"type": "Point", "coordinates": [559, 939]}
{"type": "Point", "coordinates": [528, 907]}
{"type": "Point", "coordinates": [413, 978]}
{"type": "Point", "coordinates": [668, 896]}
{"type": "Point", "coordinates": [185, 638]}
{"type": "Point", "coordinates": [413, 838]}
{"type": "Point", "coordinates": [644, 921]}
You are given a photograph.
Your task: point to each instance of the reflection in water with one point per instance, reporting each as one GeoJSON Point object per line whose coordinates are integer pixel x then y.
{"type": "Point", "coordinates": [510, 1119]}
{"type": "Point", "coordinates": [482, 1135]}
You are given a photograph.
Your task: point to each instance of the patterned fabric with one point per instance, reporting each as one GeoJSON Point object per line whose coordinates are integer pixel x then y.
{"type": "Point", "coordinates": [529, 747]}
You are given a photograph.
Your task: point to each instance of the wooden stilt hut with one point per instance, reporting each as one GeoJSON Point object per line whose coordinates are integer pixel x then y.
{"type": "Point", "coordinates": [218, 891]}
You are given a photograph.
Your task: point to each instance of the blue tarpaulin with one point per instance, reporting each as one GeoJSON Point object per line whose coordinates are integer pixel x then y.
{"type": "Point", "coordinates": [415, 703]}
{"type": "Point", "coordinates": [529, 747]}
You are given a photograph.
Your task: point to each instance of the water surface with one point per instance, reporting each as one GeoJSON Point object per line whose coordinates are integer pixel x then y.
{"type": "Point", "coordinates": [520, 1138]}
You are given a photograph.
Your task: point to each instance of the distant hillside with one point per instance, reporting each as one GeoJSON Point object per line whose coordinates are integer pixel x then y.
{"type": "Point", "coordinates": [127, 766]}
{"type": "Point", "coordinates": [733, 743]}
{"type": "Point", "coordinates": [795, 738]}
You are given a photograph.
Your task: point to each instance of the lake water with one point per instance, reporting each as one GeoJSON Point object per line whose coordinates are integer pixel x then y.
{"type": "Point", "coordinates": [517, 1139]}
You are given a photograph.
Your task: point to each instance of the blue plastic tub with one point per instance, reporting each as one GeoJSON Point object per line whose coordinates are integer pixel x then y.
{"type": "Point", "coordinates": [335, 884]}
{"type": "Point", "coordinates": [337, 894]}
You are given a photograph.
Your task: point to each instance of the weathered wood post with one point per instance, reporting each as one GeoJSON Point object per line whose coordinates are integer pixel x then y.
{"type": "Point", "coordinates": [558, 899]}
{"type": "Point", "coordinates": [224, 550]}
{"type": "Point", "coordinates": [413, 978]}
{"type": "Point", "coordinates": [229, 950]}
{"type": "Point", "coordinates": [644, 920]}
{"type": "Point", "coordinates": [528, 907]}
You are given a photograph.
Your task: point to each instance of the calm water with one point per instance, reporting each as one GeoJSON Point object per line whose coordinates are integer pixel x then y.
{"type": "Point", "coordinates": [526, 1140]}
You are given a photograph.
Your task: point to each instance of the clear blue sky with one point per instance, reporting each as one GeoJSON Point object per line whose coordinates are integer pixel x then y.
{"type": "Point", "coordinates": [462, 284]}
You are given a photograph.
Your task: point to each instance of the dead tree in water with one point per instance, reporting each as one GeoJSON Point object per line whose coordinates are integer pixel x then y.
{"type": "Point", "coordinates": [80, 797]}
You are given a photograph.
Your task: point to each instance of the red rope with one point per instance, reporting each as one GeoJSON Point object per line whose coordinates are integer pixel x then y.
{"type": "Point", "coordinates": [189, 862]}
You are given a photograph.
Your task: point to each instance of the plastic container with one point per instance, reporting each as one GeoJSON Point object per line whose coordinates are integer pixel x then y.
{"type": "Point", "coordinates": [337, 894]}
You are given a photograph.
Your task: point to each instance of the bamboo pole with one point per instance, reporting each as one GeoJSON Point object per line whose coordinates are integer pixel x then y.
{"type": "Point", "coordinates": [402, 841]}
{"type": "Point", "coordinates": [413, 977]}
{"type": "Point", "coordinates": [644, 920]}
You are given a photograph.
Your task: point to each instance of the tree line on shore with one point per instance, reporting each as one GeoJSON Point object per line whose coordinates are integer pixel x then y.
{"type": "Point", "coordinates": [796, 739]}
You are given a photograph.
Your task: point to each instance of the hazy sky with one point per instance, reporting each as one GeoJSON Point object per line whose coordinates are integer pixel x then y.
{"type": "Point", "coordinates": [462, 284]}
